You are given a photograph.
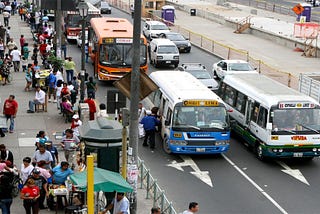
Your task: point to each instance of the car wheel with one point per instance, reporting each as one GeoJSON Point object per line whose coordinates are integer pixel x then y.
{"type": "Point", "coordinates": [259, 152]}
{"type": "Point", "coordinates": [165, 145]}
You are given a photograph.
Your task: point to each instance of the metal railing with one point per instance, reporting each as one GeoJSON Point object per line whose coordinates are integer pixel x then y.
{"type": "Point", "coordinates": [153, 190]}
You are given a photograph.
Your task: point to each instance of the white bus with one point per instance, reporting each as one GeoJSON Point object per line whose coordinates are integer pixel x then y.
{"type": "Point", "coordinates": [275, 120]}
{"type": "Point", "coordinates": [194, 119]}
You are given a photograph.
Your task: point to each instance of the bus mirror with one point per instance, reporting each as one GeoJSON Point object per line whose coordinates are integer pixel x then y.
{"type": "Point", "coordinates": [166, 122]}
{"type": "Point", "coordinates": [269, 126]}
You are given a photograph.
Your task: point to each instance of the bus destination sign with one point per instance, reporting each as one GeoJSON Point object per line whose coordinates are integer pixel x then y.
{"type": "Point", "coordinates": [296, 105]}
{"type": "Point", "coordinates": [200, 103]}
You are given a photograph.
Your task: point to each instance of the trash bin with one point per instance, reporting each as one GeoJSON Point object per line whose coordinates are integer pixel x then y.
{"type": "Point", "coordinates": [193, 12]}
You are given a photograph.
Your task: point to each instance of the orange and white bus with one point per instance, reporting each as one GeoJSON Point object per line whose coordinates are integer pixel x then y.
{"type": "Point", "coordinates": [111, 50]}
{"type": "Point", "coordinates": [73, 21]}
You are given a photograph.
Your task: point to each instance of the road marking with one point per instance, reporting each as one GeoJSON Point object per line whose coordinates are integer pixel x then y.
{"type": "Point", "coordinates": [256, 185]}
{"type": "Point", "coordinates": [187, 161]}
{"type": "Point", "coordinates": [26, 142]}
{"type": "Point", "coordinates": [293, 172]}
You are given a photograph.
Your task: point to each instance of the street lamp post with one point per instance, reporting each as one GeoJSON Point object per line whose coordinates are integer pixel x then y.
{"type": "Point", "coordinates": [83, 10]}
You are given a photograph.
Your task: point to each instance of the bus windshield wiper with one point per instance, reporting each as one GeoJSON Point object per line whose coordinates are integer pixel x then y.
{"type": "Point", "coordinates": [285, 130]}
{"type": "Point", "coordinates": [191, 126]}
{"type": "Point", "coordinates": [307, 127]}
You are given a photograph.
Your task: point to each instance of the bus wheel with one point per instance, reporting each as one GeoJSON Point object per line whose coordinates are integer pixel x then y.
{"type": "Point", "coordinates": [165, 145]}
{"type": "Point", "coordinates": [259, 152]}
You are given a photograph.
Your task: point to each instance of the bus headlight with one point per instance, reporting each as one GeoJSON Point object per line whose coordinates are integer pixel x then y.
{"type": "Point", "coordinates": [178, 142]}
{"type": "Point", "coordinates": [314, 149]}
{"type": "Point", "coordinates": [104, 71]}
{"type": "Point", "coordinates": [220, 143]}
{"type": "Point", "coordinates": [275, 150]}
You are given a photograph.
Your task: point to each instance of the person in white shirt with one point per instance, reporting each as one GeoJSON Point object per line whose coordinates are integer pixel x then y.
{"type": "Point", "coordinates": [39, 99]}
{"type": "Point", "coordinates": [193, 208]}
{"type": "Point", "coordinates": [76, 122]}
{"type": "Point", "coordinates": [26, 169]}
{"type": "Point", "coordinates": [50, 30]}
{"type": "Point", "coordinates": [15, 58]}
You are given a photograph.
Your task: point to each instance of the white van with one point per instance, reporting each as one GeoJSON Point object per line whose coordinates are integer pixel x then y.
{"type": "Point", "coordinates": [163, 52]}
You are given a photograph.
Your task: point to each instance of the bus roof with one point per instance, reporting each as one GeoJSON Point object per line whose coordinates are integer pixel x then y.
{"type": "Point", "coordinates": [179, 86]}
{"type": "Point", "coordinates": [105, 27]}
{"type": "Point", "coordinates": [264, 90]}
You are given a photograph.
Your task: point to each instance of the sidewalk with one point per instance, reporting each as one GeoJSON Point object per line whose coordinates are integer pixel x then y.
{"type": "Point", "coordinates": [21, 142]}
{"type": "Point", "coordinates": [282, 57]}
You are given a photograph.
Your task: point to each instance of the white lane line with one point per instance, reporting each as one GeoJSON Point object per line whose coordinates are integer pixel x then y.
{"type": "Point", "coordinates": [256, 185]}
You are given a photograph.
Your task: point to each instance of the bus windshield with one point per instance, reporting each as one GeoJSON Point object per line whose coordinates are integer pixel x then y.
{"type": "Point", "coordinates": [200, 118]}
{"type": "Point", "coordinates": [307, 120]}
{"type": "Point", "coordinates": [74, 20]}
{"type": "Point", "coordinates": [120, 55]}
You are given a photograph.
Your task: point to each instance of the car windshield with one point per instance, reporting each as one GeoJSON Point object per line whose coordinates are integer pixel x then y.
{"type": "Point", "coordinates": [200, 74]}
{"type": "Point", "coordinates": [240, 67]}
{"type": "Point", "coordinates": [159, 27]}
{"type": "Point", "coordinates": [167, 49]}
{"type": "Point", "coordinates": [175, 37]}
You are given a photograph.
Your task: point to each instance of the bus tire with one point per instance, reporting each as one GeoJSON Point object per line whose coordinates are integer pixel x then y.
{"type": "Point", "coordinates": [258, 152]}
{"type": "Point", "coordinates": [165, 145]}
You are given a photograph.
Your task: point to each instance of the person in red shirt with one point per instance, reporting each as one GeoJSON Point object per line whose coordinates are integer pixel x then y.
{"type": "Point", "coordinates": [30, 194]}
{"type": "Point", "coordinates": [10, 109]}
{"type": "Point", "coordinates": [92, 107]}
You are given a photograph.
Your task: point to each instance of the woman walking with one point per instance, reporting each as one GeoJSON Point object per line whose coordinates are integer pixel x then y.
{"type": "Point", "coordinates": [30, 194]}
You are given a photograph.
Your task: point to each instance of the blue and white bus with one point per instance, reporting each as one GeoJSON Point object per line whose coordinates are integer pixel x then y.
{"type": "Point", "coordinates": [194, 119]}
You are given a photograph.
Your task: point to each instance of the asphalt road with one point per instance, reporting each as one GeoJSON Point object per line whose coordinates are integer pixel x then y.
{"type": "Point", "coordinates": [235, 182]}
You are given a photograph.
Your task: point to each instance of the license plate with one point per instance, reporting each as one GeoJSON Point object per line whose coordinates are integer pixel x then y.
{"type": "Point", "coordinates": [168, 61]}
{"type": "Point", "coordinates": [200, 149]}
{"type": "Point", "coordinates": [297, 154]}
{"type": "Point", "coordinates": [181, 48]}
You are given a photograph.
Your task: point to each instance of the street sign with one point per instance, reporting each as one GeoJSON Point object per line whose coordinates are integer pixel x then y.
{"type": "Point", "coordinates": [298, 9]}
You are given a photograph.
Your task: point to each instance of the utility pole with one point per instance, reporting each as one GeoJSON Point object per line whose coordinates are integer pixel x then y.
{"type": "Point", "coordinates": [135, 90]}
{"type": "Point", "coordinates": [58, 29]}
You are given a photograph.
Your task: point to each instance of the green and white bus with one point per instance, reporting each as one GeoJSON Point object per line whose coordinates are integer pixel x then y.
{"type": "Point", "coordinates": [275, 120]}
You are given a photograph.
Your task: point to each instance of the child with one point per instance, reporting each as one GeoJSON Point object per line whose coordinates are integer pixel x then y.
{"type": "Point", "coordinates": [24, 63]}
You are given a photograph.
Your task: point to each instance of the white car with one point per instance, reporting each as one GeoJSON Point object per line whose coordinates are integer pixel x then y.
{"type": "Point", "coordinates": [224, 67]}
{"type": "Point", "coordinates": [79, 39]}
{"type": "Point", "coordinates": [153, 29]}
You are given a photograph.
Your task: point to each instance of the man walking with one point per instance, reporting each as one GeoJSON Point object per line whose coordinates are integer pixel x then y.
{"type": "Point", "coordinates": [16, 57]}
{"type": "Point", "coordinates": [6, 17]}
{"type": "Point", "coordinates": [69, 66]}
{"type": "Point", "coordinates": [149, 123]}
{"type": "Point", "coordinates": [10, 109]}
{"type": "Point", "coordinates": [52, 86]}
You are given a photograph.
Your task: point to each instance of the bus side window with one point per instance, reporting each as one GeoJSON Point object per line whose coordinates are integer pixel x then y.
{"type": "Point", "coordinates": [221, 89]}
{"type": "Point", "coordinates": [168, 116]}
{"type": "Point", "coordinates": [229, 95]}
{"type": "Point", "coordinates": [241, 102]}
{"type": "Point", "coordinates": [157, 98]}
{"type": "Point", "coordinates": [262, 118]}
{"type": "Point", "coordinates": [255, 111]}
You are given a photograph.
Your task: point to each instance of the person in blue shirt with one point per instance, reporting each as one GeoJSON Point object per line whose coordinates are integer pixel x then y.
{"type": "Point", "coordinates": [54, 153]}
{"type": "Point", "coordinates": [61, 172]}
{"type": "Point", "coordinates": [52, 86]}
{"type": "Point", "coordinates": [149, 123]}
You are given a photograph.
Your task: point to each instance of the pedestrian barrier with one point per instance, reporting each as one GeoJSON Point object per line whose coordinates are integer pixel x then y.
{"type": "Point", "coordinates": [221, 50]}
{"type": "Point", "coordinates": [153, 190]}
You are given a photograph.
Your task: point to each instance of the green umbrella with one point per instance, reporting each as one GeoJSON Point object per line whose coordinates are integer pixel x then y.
{"type": "Point", "coordinates": [104, 180]}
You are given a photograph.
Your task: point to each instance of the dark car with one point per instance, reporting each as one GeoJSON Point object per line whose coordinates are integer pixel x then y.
{"type": "Point", "coordinates": [105, 8]}
{"type": "Point", "coordinates": [200, 72]}
{"type": "Point", "coordinates": [182, 43]}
